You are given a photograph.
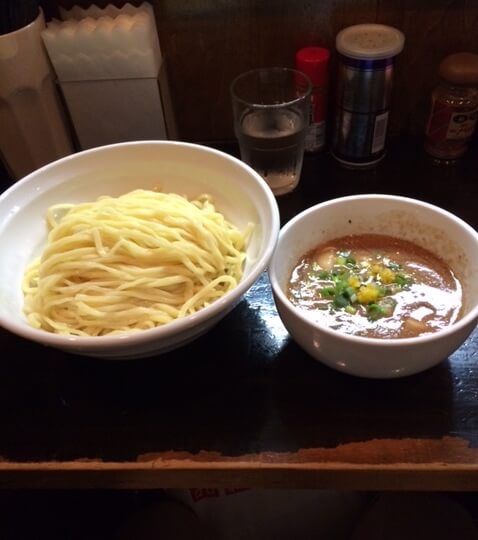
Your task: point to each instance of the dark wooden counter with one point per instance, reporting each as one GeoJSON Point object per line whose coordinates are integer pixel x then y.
{"type": "Point", "coordinates": [244, 406]}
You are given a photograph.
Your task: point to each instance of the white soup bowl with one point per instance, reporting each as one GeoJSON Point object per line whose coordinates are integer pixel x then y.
{"type": "Point", "coordinates": [432, 228]}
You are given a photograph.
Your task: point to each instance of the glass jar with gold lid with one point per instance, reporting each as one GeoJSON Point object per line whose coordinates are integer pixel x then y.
{"type": "Point", "coordinates": [454, 107]}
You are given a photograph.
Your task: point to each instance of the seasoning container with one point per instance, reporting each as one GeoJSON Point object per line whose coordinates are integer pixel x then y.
{"type": "Point", "coordinates": [314, 62]}
{"type": "Point", "coordinates": [454, 107]}
{"type": "Point", "coordinates": [364, 83]}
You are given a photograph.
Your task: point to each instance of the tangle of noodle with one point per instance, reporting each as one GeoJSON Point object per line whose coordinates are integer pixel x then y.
{"type": "Point", "coordinates": [131, 263]}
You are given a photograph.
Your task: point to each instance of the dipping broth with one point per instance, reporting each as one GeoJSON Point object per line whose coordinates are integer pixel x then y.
{"type": "Point", "coordinates": [376, 286]}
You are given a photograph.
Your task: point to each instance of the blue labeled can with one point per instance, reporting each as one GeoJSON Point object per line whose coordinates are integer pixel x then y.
{"type": "Point", "coordinates": [364, 82]}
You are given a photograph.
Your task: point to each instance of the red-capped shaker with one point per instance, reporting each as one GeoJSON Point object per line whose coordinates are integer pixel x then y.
{"type": "Point", "coordinates": [314, 62]}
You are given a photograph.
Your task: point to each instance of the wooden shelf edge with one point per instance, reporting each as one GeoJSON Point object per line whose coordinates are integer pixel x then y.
{"type": "Point", "coordinates": [150, 475]}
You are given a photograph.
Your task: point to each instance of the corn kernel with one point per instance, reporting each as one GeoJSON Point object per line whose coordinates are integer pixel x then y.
{"type": "Point", "coordinates": [354, 282]}
{"type": "Point", "coordinates": [367, 294]}
{"type": "Point", "coordinates": [387, 276]}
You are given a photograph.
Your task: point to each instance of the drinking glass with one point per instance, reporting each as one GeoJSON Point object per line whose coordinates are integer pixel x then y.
{"type": "Point", "coordinates": [271, 108]}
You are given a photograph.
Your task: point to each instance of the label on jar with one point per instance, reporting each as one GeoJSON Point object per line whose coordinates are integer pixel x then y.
{"type": "Point", "coordinates": [448, 124]}
{"type": "Point", "coordinates": [359, 138]}
{"type": "Point", "coordinates": [315, 137]}
{"type": "Point", "coordinates": [379, 132]}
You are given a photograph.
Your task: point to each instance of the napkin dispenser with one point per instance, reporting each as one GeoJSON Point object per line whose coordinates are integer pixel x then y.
{"type": "Point", "coordinates": [111, 73]}
{"type": "Point", "coordinates": [33, 126]}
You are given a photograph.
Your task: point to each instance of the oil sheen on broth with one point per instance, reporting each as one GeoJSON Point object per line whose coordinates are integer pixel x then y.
{"type": "Point", "coordinates": [272, 143]}
{"type": "Point", "coordinates": [377, 286]}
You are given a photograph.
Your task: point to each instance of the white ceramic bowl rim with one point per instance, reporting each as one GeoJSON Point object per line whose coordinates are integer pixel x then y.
{"type": "Point", "coordinates": [173, 327]}
{"type": "Point", "coordinates": [472, 314]}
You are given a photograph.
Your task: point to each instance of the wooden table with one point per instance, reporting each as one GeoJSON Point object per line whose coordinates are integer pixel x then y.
{"type": "Point", "coordinates": [244, 405]}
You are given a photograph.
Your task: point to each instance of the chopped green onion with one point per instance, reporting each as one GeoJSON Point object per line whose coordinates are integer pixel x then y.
{"type": "Point", "coordinates": [401, 280]}
{"type": "Point", "coordinates": [382, 291]}
{"type": "Point", "coordinates": [327, 292]}
{"type": "Point", "coordinates": [341, 295]}
{"type": "Point", "coordinates": [350, 291]}
{"type": "Point", "coordinates": [341, 301]}
{"type": "Point", "coordinates": [374, 311]}
{"type": "Point", "coordinates": [388, 306]}
{"type": "Point", "coordinates": [345, 258]}
{"type": "Point", "coordinates": [383, 309]}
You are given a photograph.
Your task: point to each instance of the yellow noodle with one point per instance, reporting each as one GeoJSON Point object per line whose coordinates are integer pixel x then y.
{"type": "Point", "coordinates": [130, 263]}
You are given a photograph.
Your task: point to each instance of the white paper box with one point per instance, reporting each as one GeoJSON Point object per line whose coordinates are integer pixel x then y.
{"type": "Point", "coordinates": [112, 75]}
{"type": "Point", "coordinates": [112, 111]}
